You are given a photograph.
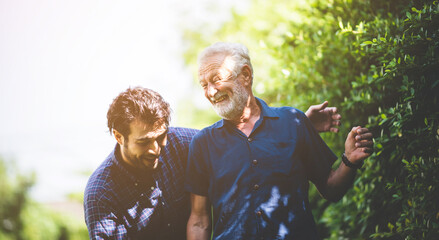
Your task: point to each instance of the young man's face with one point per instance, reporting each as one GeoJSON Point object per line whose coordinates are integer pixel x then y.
{"type": "Point", "coordinates": [142, 147]}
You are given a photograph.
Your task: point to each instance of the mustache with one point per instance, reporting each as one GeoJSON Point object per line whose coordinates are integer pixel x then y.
{"type": "Point", "coordinates": [217, 96]}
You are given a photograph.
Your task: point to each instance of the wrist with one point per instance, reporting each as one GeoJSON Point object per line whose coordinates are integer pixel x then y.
{"type": "Point", "coordinates": [349, 163]}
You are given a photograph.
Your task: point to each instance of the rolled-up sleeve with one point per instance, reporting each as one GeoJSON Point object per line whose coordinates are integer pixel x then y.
{"type": "Point", "coordinates": [102, 222]}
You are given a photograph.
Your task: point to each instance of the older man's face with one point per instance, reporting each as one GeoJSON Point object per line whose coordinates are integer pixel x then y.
{"type": "Point", "coordinates": [224, 91]}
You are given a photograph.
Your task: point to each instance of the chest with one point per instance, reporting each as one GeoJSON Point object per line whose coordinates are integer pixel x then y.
{"type": "Point", "coordinates": [156, 207]}
{"type": "Point", "coordinates": [268, 150]}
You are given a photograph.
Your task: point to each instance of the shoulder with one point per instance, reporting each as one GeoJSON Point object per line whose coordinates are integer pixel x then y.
{"type": "Point", "coordinates": [100, 183]}
{"type": "Point", "coordinates": [181, 134]}
{"type": "Point", "coordinates": [208, 131]}
{"type": "Point", "coordinates": [289, 112]}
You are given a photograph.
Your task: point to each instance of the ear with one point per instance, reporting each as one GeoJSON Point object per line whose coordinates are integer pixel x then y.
{"type": "Point", "coordinates": [248, 76]}
{"type": "Point", "coordinates": [118, 136]}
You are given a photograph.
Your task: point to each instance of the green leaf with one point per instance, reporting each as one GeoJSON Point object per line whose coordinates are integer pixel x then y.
{"type": "Point", "coordinates": [365, 43]}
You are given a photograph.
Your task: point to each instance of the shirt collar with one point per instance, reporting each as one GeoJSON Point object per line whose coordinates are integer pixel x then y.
{"type": "Point", "coordinates": [266, 112]}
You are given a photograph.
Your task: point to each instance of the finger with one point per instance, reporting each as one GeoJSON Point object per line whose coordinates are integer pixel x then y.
{"type": "Point", "coordinates": [336, 123]}
{"type": "Point", "coordinates": [364, 136]}
{"type": "Point", "coordinates": [361, 130]}
{"type": "Point", "coordinates": [367, 150]}
{"type": "Point", "coordinates": [336, 116]}
{"type": "Point", "coordinates": [331, 110]}
{"type": "Point", "coordinates": [364, 143]}
{"type": "Point", "coordinates": [334, 130]}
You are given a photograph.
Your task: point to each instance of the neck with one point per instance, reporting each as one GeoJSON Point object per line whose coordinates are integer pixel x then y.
{"type": "Point", "coordinates": [249, 116]}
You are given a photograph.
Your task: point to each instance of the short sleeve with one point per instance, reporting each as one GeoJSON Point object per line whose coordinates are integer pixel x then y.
{"type": "Point", "coordinates": [197, 177]}
{"type": "Point", "coordinates": [317, 156]}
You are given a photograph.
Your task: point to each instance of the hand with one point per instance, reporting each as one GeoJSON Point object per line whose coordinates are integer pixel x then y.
{"type": "Point", "coordinates": [324, 118]}
{"type": "Point", "coordinates": [358, 145]}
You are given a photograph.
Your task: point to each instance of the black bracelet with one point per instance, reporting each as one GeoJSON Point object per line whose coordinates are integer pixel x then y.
{"type": "Point", "coordinates": [349, 163]}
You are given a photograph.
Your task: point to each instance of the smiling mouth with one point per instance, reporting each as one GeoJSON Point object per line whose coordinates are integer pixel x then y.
{"type": "Point", "coordinates": [220, 99]}
{"type": "Point", "coordinates": [153, 161]}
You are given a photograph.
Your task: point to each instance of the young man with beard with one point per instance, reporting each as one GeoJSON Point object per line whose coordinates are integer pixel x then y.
{"type": "Point", "coordinates": [138, 191]}
{"type": "Point", "coordinates": [253, 166]}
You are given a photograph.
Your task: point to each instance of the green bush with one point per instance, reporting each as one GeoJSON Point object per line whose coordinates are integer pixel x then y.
{"type": "Point", "coordinates": [378, 61]}
{"type": "Point", "coordinates": [14, 189]}
{"type": "Point", "coordinates": [23, 218]}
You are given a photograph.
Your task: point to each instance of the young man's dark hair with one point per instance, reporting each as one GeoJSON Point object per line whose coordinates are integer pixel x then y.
{"type": "Point", "coordinates": [137, 103]}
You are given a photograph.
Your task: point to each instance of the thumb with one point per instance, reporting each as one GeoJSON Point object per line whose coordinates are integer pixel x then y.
{"type": "Point", "coordinates": [320, 106]}
{"type": "Point", "coordinates": [353, 132]}
{"type": "Point", "coordinates": [349, 144]}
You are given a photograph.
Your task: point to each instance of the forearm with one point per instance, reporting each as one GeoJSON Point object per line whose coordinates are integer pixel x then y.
{"type": "Point", "coordinates": [198, 228]}
{"type": "Point", "coordinates": [358, 146]}
{"type": "Point", "coordinates": [339, 182]}
{"type": "Point", "coordinates": [101, 220]}
{"type": "Point", "coordinates": [198, 225]}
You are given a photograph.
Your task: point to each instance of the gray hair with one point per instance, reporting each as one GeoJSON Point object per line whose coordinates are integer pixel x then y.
{"type": "Point", "coordinates": [237, 51]}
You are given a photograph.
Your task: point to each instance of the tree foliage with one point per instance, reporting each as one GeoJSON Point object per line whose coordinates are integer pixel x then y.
{"type": "Point", "coordinates": [22, 218]}
{"type": "Point", "coordinates": [378, 61]}
{"type": "Point", "coordinates": [14, 196]}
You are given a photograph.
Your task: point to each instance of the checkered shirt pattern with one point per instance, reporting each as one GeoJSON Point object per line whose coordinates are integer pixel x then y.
{"type": "Point", "coordinates": [121, 205]}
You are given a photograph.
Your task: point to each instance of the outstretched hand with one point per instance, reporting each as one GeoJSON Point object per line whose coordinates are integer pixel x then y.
{"type": "Point", "coordinates": [324, 118]}
{"type": "Point", "coordinates": [359, 144]}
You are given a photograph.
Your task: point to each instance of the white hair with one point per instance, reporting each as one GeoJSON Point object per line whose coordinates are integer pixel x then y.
{"type": "Point", "coordinates": [237, 51]}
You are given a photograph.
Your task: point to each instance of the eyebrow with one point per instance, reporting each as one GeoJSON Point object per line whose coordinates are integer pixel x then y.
{"type": "Point", "coordinates": [148, 138]}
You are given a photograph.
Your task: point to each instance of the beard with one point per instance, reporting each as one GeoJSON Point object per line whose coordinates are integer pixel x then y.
{"type": "Point", "coordinates": [232, 107]}
{"type": "Point", "coordinates": [143, 162]}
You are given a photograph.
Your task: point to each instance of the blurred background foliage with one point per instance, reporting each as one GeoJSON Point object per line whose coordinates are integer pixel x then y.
{"type": "Point", "coordinates": [378, 62]}
{"type": "Point", "coordinates": [21, 218]}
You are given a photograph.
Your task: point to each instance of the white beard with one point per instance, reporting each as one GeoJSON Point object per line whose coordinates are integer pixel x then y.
{"type": "Point", "coordinates": [233, 107]}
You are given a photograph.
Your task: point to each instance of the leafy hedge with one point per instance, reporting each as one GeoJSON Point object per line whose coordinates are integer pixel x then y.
{"type": "Point", "coordinates": [378, 61]}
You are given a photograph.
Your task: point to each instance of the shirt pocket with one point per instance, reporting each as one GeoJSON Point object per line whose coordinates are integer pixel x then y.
{"type": "Point", "coordinates": [278, 156]}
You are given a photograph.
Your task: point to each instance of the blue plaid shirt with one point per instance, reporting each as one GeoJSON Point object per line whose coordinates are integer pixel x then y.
{"type": "Point", "coordinates": [258, 185]}
{"type": "Point", "coordinates": [122, 203]}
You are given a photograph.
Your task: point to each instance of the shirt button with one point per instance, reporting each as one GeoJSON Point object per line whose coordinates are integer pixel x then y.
{"type": "Point", "coordinates": [152, 188]}
{"type": "Point", "coordinates": [258, 213]}
{"type": "Point", "coordinates": [136, 184]}
{"type": "Point", "coordinates": [256, 187]}
{"type": "Point", "coordinates": [169, 224]}
{"type": "Point", "coordinates": [250, 139]}
{"type": "Point", "coordinates": [255, 162]}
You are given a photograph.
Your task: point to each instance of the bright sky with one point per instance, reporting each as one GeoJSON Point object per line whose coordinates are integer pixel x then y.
{"type": "Point", "coordinates": [62, 63]}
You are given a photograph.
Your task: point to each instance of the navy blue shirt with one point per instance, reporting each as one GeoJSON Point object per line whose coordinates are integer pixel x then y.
{"type": "Point", "coordinates": [258, 185]}
{"type": "Point", "coordinates": [124, 203]}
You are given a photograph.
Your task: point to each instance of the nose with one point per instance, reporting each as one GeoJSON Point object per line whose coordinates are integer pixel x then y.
{"type": "Point", "coordinates": [211, 90]}
{"type": "Point", "coordinates": [155, 148]}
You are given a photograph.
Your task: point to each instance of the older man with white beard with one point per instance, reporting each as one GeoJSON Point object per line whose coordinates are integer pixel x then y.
{"type": "Point", "coordinates": [253, 166]}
